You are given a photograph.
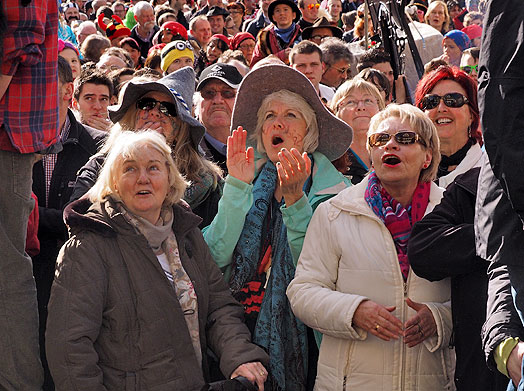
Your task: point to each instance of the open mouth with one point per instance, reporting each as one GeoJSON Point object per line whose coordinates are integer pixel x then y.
{"type": "Point", "coordinates": [276, 140]}
{"type": "Point", "coordinates": [143, 192]}
{"type": "Point", "coordinates": [443, 121]}
{"type": "Point", "coordinates": [391, 160]}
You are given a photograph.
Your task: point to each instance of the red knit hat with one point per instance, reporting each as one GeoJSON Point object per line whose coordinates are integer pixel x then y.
{"type": "Point", "coordinates": [175, 28]}
{"type": "Point", "coordinates": [473, 31]}
{"type": "Point", "coordinates": [115, 29]}
{"type": "Point", "coordinates": [239, 38]}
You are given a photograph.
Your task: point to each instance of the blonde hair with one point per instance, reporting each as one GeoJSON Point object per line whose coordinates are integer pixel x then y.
{"type": "Point", "coordinates": [129, 145]}
{"type": "Point", "coordinates": [349, 86]}
{"type": "Point", "coordinates": [431, 7]}
{"type": "Point", "coordinates": [296, 102]}
{"type": "Point", "coordinates": [419, 123]}
{"type": "Point", "coordinates": [186, 156]}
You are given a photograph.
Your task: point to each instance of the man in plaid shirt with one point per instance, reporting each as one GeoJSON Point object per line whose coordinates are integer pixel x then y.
{"type": "Point", "coordinates": [28, 124]}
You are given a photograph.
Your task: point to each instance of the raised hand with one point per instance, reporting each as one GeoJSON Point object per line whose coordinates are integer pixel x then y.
{"type": "Point", "coordinates": [377, 320]}
{"type": "Point", "coordinates": [420, 326]}
{"type": "Point", "coordinates": [293, 170]}
{"type": "Point", "coordinates": [240, 161]}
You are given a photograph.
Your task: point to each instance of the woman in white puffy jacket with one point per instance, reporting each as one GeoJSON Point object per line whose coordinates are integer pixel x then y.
{"type": "Point", "coordinates": [383, 327]}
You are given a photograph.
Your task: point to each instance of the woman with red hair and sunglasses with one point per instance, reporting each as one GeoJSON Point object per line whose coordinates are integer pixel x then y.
{"type": "Point", "coordinates": [449, 97]}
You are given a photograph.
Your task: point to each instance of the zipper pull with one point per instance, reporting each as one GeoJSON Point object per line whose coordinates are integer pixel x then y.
{"type": "Point", "coordinates": [344, 383]}
{"type": "Point", "coordinates": [405, 289]}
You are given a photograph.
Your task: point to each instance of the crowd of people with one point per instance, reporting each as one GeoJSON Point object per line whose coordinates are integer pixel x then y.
{"type": "Point", "coordinates": [209, 193]}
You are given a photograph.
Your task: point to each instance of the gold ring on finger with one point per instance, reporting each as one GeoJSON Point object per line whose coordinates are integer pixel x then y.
{"type": "Point", "coordinates": [377, 327]}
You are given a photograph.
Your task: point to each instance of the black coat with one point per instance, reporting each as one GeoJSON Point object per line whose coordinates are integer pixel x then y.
{"type": "Point", "coordinates": [82, 142]}
{"type": "Point", "coordinates": [501, 97]}
{"type": "Point", "coordinates": [442, 245]}
{"type": "Point", "coordinates": [502, 321]}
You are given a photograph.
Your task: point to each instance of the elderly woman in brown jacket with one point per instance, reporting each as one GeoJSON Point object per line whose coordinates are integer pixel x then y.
{"type": "Point", "coordinates": [137, 298]}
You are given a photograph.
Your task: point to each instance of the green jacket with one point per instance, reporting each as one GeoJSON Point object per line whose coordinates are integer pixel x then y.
{"type": "Point", "coordinates": [223, 233]}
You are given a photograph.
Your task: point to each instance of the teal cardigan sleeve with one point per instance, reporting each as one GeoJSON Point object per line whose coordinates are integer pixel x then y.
{"type": "Point", "coordinates": [224, 231]}
{"type": "Point", "coordinates": [296, 218]}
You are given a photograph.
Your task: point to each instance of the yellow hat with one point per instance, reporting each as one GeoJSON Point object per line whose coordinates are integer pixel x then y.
{"type": "Point", "coordinates": [174, 50]}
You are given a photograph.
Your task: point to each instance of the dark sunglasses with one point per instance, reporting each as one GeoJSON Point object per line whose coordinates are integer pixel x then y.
{"type": "Point", "coordinates": [453, 99]}
{"type": "Point", "coordinates": [210, 94]}
{"type": "Point", "coordinates": [404, 137]}
{"type": "Point", "coordinates": [166, 108]}
{"type": "Point", "coordinates": [470, 68]}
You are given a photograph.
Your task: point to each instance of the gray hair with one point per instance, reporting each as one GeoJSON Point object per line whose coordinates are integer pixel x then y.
{"type": "Point", "coordinates": [419, 123]}
{"type": "Point", "coordinates": [334, 50]}
{"type": "Point", "coordinates": [141, 6]}
{"type": "Point", "coordinates": [131, 145]}
{"type": "Point", "coordinates": [296, 102]}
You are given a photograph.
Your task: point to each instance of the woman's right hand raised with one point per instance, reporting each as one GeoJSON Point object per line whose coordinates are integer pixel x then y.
{"type": "Point", "coordinates": [377, 320]}
{"type": "Point", "coordinates": [240, 161]}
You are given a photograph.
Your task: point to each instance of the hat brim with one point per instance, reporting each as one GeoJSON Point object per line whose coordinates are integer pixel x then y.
{"type": "Point", "coordinates": [289, 3]}
{"type": "Point", "coordinates": [135, 91]}
{"type": "Point", "coordinates": [308, 31]}
{"type": "Point", "coordinates": [335, 135]}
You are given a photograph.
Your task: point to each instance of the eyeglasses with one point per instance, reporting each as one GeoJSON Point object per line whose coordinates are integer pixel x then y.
{"type": "Point", "coordinates": [404, 137]}
{"type": "Point", "coordinates": [353, 103]}
{"type": "Point", "coordinates": [210, 94]}
{"type": "Point", "coordinates": [470, 68]}
{"type": "Point", "coordinates": [319, 38]}
{"type": "Point", "coordinates": [453, 99]}
{"type": "Point", "coordinates": [166, 108]}
{"type": "Point", "coordinates": [311, 6]}
{"type": "Point", "coordinates": [246, 46]}
{"type": "Point", "coordinates": [342, 71]}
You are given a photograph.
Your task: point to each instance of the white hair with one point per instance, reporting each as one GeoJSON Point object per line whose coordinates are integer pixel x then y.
{"type": "Point", "coordinates": [141, 6]}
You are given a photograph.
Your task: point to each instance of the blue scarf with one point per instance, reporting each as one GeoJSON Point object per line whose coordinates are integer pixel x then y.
{"type": "Point", "coordinates": [285, 34]}
{"type": "Point", "coordinates": [277, 330]}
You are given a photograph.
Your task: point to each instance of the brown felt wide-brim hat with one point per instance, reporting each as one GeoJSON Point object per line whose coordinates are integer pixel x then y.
{"type": "Point", "coordinates": [334, 135]}
{"type": "Point", "coordinates": [321, 22]}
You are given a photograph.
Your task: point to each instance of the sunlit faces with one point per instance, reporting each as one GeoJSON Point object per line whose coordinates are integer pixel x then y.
{"type": "Point", "coordinates": [451, 50]}
{"type": "Point", "coordinates": [92, 101]}
{"type": "Point", "coordinates": [217, 24]}
{"type": "Point", "coordinates": [283, 127]}
{"type": "Point", "coordinates": [385, 67]}
{"type": "Point", "coordinates": [143, 183]}
{"type": "Point", "coordinates": [180, 63]}
{"type": "Point", "coordinates": [110, 63]}
{"type": "Point", "coordinates": [283, 16]}
{"type": "Point", "coordinates": [310, 10]}
{"type": "Point", "coordinates": [215, 108]}
{"type": "Point", "coordinates": [133, 53]}
{"type": "Point", "coordinates": [154, 119]}
{"type": "Point", "coordinates": [357, 109]}
{"type": "Point", "coordinates": [396, 164]}
{"type": "Point", "coordinates": [437, 17]}
{"type": "Point", "coordinates": [334, 8]}
{"type": "Point", "coordinates": [213, 50]}
{"type": "Point", "coordinates": [310, 65]}
{"type": "Point", "coordinates": [469, 64]}
{"type": "Point", "coordinates": [247, 47]}
{"type": "Point", "coordinates": [335, 74]}
{"type": "Point", "coordinates": [202, 32]}
{"type": "Point", "coordinates": [146, 18]}
{"type": "Point", "coordinates": [72, 58]}
{"type": "Point", "coordinates": [452, 122]}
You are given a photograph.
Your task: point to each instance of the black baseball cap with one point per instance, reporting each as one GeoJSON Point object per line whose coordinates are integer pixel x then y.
{"type": "Point", "coordinates": [223, 72]}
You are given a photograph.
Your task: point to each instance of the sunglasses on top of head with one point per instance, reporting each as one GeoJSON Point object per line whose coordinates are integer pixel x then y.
{"type": "Point", "coordinates": [404, 137]}
{"type": "Point", "coordinates": [453, 99]}
{"type": "Point", "coordinates": [166, 108]}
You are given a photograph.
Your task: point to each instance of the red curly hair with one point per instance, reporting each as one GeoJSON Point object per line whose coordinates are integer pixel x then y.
{"type": "Point", "coordinates": [445, 72]}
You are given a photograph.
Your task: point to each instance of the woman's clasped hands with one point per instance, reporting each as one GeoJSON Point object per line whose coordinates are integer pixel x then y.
{"type": "Point", "coordinates": [379, 321]}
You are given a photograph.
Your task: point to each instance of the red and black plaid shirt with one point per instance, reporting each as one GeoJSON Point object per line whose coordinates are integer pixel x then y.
{"type": "Point", "coordinates": [29, 108]}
